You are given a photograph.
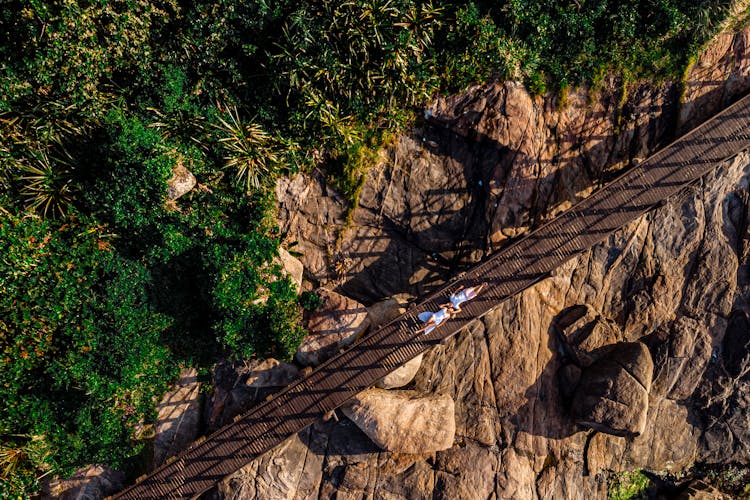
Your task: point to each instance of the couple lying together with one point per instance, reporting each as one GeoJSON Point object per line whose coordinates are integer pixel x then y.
{"type": "Point", "coordinates": [433, 319]}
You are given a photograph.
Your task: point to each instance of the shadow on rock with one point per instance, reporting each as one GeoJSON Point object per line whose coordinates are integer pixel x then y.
{"type": "Point", "coordinates": [544, 413]}
{"type": "Point", "coordinates": [415, 229]}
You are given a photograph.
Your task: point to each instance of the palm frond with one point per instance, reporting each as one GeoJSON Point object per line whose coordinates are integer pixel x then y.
{"type": "Point", "coordinates": [248, 149]}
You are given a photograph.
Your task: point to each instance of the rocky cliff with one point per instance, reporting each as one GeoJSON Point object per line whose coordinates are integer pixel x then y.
{"type": "Point", "coordinates": [482, 168]}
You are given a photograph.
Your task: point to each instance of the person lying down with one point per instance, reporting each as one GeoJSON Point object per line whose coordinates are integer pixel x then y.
{"type": "Point", "coordinates": [433, 319]}
{"type": "Point", "coordinates": [462, 295]}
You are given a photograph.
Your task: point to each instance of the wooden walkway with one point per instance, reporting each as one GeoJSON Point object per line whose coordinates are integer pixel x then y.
{"type": "Point", "coordinates": [506, 273]}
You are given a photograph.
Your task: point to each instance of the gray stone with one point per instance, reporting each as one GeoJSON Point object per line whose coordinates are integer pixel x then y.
{"type": "Point", "coordinates": [271, 373]}
{"type": "Point", "coordinates": [181, 182]}
{"type": "Point", "coordinates": [386, 310]}
{"type": "Point", "coordinates": [90, 483]}
{"type": "Point", "coordinates": [292, 266]}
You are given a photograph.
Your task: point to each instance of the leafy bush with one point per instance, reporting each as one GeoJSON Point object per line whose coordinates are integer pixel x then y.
{"type": "Point", "coordinates": [579, 41]}
{"type": "Point", "coordinates": [75, 49]}
{"type": "Point", "coordinates": [249, 150]}
{"type": "Point", "coordinates": [82, 361]}
{"type": "Point", "coordinates": [47, 183]}
{"type": "Point", "coordinates": [628, 485]}
{"type": "Point", "coordinates": [310, 301]}
{"type": "Point", "coordinates": [127, 179]}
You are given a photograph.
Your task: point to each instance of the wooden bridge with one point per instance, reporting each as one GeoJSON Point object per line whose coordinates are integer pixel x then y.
{"type": "Point", "coordinates": [506, 273]}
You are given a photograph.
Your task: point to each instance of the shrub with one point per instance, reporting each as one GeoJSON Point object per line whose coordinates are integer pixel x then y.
{"type": "Point", "coordinates": [628, 485]}
{"type": "Point", "coordinates": [82, 359]}
{"type": "Point", "coordinates": [249, 150]}
{"type": "Point", "coordinates": [47, 183]}
{"type": "Point", "coordinates": [128, 179]}
{"type": "Point", "coordinates": [76, 49]}
{"type": "Point", "coordinates": [310, 301]}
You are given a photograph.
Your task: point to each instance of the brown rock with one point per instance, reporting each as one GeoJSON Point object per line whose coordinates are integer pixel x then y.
{"type": "Point", "coordinates": [689, 351]}
{"type": "Point", "coordinates": [698, 490]}
{"type": "Point", "coordinates": [313, 213]}
{"type": "Point", "coordinates": [91, 483]}
{"type": "Point", "coordinates": [181, 182]}
{"type": "Point", "coordinates": [613, 394]}
{"type": "Point", "coordinates": [335, 324]}
{"type": "Point", "coordinates": [462, 367]}
{"type": "Point", "coordinates": [570, 376]}
{"type": "Point", "coordinates": [271, 373]}
{"type": "Point", "coordinates": [456, 479]}
{"type": "Point", "coordinates": [586, 333]}
{"type": "Point", "coordinates": [670, 279]}
{"type": "Point", "coordinates": [179, 417]}
{"type": "Point", "coordinates": [239, 384]}
{"type": "Point", "coordinates": [403, 421]}
{"type": "Point", "coordinates": [574, 318]}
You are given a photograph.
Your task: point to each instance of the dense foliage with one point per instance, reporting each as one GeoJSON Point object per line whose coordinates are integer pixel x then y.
{"type": "Point", "coordinates": [106, 288]}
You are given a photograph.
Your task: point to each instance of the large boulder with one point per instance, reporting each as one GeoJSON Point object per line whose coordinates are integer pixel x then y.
{"type": "Point", "coordinates": [612, 396]}
{"type": "Point", "coordinates": [402, 375]}
{"type": "Point", "coordinates": [271, 373]}
{"type": "Point", "coordinates": [587, 335]}
{"type": "Point", "coordinates": [90, 483]}
{"type": "Point", "coordinates": [335, 324]}
{"type": "Point", "coordinates": [179, 417]}
{"type": "Point", "coordinates": [181, 182]}
{"type": "Point", "coordinates": [291, 266]}
{"type": "Point", "coordinates": [404, 421]}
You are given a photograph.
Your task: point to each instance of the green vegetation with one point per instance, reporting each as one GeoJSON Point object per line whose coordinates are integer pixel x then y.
{"type": "Point", "coordinates": [107, 288]}
{"type": "Point", "coordinates": [628, 485]}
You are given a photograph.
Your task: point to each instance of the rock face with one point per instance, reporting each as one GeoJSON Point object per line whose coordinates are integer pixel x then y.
{"type": "Point", "coordinates": [404, 421]}
{"type": "Point", "coordinates": [335, 324]}
{"type": "Point", "coordinates": [612, 396]}
{"type": "Point", "coordinates": [291, 470]}
{"type": "Point", "coordinates": [587, 335]}
{"type": "Point", "coordinates": [676, 280]}
{"type": "Point", "coordinates": [179, 417]}
{"type": "Point", "coordinates": [181, 182]}
{"type": "Point", "coordinates": [698, 490]}
{"type": "Point", "coordinates": [92, 483]}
